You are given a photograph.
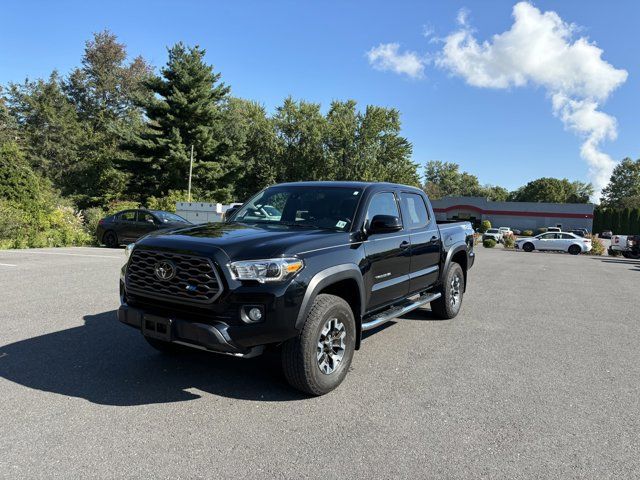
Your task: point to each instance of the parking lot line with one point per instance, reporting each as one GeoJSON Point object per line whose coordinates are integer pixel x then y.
{"type": "Point", "coordinates": [31, 252]}
{"type": "Point", "coordinates": [7, 265]}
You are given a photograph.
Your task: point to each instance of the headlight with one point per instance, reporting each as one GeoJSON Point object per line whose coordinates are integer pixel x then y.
{"type": "Point", "coordinates": [128, 249]}
{"type": "Point", "coordinates": [269, 270]}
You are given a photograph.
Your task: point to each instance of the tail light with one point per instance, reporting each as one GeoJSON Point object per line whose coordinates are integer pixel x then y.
{"type": "Point", "coordinates": [101, 221]}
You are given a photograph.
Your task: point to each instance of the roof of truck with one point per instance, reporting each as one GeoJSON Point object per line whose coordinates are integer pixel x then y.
{"type": "Point", "coordinates": [347, 184]}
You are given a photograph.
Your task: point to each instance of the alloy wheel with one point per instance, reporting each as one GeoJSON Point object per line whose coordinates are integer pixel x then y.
{"type": "Point", "coordinates": [454, 297]}
{"type": "Point", "coordinates": [331, 346]}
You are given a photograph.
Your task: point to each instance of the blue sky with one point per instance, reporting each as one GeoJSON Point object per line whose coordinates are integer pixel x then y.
{"type": "Point", "coordinates": [318, 51]}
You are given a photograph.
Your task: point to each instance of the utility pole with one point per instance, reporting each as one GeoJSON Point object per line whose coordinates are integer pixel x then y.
{"type": "Point", "coordinates": [190, 172]}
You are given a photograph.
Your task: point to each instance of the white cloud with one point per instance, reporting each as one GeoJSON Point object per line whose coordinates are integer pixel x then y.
{"type": "Point", "coordinates": [386, 57]}
{"type": "Point", "coordinates": [462, 17]}
{"type": "Point", "coordinates": [539, 50]}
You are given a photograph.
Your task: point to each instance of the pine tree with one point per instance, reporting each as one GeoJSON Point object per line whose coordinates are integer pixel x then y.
{"type": "Point", "coordinates": [186, 110]}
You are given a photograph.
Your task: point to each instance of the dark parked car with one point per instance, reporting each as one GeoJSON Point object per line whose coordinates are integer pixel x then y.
{"type": "Point", "coordinates": [129, 225]}
{"type": "Point", "coordinates": [606, 234]}
{"type": "Point", "coordinates": [308, 266]}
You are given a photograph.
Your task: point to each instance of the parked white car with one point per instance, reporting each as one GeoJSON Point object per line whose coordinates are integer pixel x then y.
{"type": "Point", "coordinates": [559, 241]}
{"type": "Point", "coordinates": [493, 234]}
{"type": "Point", "coordinates": [505, 231]}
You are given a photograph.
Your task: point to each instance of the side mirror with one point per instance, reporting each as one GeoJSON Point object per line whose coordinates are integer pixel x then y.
{"type": "Point", "coordinates": [385, 224]}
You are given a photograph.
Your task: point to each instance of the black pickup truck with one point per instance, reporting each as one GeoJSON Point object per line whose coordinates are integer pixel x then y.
{"type": "Point", "coordinates": [303, 266]}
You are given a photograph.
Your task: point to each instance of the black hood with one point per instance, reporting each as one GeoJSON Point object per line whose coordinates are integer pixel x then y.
{"type": "Point", "coordinates": [241, 241]}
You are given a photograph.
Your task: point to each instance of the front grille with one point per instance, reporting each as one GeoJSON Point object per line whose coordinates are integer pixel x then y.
{"type": "Point", "coordinates": [195, 279]}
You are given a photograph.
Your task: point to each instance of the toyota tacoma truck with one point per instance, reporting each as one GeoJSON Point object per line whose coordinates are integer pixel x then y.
{"type": "Point", "coordinates": [306, 267]}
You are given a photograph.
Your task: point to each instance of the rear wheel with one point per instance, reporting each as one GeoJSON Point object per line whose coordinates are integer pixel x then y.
{"type": "Point", "coordinates": [575, 250]}
{"type": "Point", "coordinates": [110, 239]}
{"type": "Point", "coordinates": [449, 303]}
{"type": "Point", "coordinates": [528, 247]}
{"type": "Point", "coordinates": [318, 359]}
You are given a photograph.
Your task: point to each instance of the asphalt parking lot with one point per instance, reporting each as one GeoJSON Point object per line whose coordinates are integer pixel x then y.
{"type": "Point", "coordinates": [539, 376]}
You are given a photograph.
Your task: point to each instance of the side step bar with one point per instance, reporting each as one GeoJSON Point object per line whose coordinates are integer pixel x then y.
{"type": "Point", "coordinates": [387, 315]}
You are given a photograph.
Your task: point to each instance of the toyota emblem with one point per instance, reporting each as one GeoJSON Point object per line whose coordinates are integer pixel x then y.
{"type": "Point", "coordinates": [165, 270]}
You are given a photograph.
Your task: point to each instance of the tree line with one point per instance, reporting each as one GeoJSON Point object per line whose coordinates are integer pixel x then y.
{"type": "Point", "coordinates": [113, 129]}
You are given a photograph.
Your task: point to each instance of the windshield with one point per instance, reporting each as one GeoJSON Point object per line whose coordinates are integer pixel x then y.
{"type": "Point", "coordinates": [166, 217]}
{"type": "Point", "coordinates": [493, 230]}
{"type": "Point", "coordinates": [330, 208]}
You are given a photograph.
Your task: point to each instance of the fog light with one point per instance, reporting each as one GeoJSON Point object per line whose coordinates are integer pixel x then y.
{"type": "Point", "coordinates": [252, 313]}
{"type": "Point", "coordinates": [255, 314]}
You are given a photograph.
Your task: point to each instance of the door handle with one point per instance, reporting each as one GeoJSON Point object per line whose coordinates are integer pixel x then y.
{"type": "Point", "coordinates": [404, 245]}
{"type": "Point", "coordinates": [434, 238]}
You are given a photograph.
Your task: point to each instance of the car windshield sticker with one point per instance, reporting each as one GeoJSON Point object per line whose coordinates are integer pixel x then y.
{"type": "Point", "coordinates": [341, 224]}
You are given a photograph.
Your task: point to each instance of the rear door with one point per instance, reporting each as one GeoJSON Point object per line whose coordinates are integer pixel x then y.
{"type": "Point", "coordinates": [388, 255]}
{"type": "Point", "coordinates": [425, 242]}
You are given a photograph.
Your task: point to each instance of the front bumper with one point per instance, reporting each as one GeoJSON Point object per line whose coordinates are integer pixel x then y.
{"type": "Point", "coordinates": [214, 336]}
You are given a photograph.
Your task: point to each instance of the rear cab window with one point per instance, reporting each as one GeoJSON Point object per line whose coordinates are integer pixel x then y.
{"type": "Point", "coordinates": [414, 210]}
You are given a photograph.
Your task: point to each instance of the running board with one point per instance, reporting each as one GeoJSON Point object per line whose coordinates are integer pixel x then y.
{"type": "Point", "coordinates": [392, 313]}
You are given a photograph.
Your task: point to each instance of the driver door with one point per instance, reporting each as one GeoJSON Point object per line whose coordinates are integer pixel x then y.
{"type": "Point", "coordinates": [388, 255]}
{"type": "Point", "coordinates": [547, 242]}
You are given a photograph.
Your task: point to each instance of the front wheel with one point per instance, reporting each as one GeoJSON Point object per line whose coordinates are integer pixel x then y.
{"type": "Point", "coordinates": [318, 359]}
{"type": "Point", "coordinates": [449, 303]}
{"type": "Point", "coordinates": [528, 247]}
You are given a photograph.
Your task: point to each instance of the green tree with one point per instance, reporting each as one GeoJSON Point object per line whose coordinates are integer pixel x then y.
{"type": "Point", "coordinates": [301, 129]}
{"type": "Point", "coordinates": [383, 154]}
{"type": "Point", "coordinates": [8, 124]}
{"type": "Point", "coordinates": [186, 110]}
{"type": "Point", "coordinates": [50, 131]}
{"type": "Point", "coordinates": [261, 150]}
{"type": "Point", "coordinates": [445, 179]}
{"type": "Point", "coordinates": [104, 91]}
{"type": "Point", "coordinates": [553, 190]}
{"type": "Point", "coordinates": [18, 182]}
{"type": "Point", "coordinates": [623, 189]}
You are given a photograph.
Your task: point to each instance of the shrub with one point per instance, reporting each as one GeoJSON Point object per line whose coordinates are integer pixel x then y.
{"type": "Point", "coordinates": [527, 233]}
{"type": "Point", "coordinates": [597, 247]}
{"type": "Point", "coordinates": [477, 238]}
{"type": "Point", "coordinates": [91, 218]}
{"type": "Point", "coordinates": [484, 226]}
{"type": "Point", "coordinates": [489, 243]}
{"type": "Point", "coordinates": [541, 230]}
{"type": "Point", "coordinates": [167, 203]}
{"type": "Point", "coordinates": [509, 241]}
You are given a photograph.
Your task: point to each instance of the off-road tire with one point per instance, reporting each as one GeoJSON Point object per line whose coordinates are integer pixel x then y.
{"type": "Point", "coordinates": [452, 287]}
{"type": "Point", "coordinates": [110, 239]}
{"type": "Point", "coordinates": [300, 361]}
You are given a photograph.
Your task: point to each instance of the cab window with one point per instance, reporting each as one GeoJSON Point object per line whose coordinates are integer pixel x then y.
{"type": "Point", "coordinates": [382, 204]}
{"type": "Point", "coordinates": [415, 210]}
